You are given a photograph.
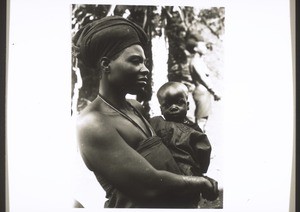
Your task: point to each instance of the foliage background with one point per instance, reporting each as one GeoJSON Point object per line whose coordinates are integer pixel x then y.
{"type": "Point", "coordinates": [174, 24]}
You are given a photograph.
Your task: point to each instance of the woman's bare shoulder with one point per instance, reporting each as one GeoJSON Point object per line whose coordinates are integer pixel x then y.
{"type": "Point", "coordinates": [93, 125]}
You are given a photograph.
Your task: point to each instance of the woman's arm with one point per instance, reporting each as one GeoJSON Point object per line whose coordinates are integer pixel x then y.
{"type": "Point", "coordinates": [107, 153]}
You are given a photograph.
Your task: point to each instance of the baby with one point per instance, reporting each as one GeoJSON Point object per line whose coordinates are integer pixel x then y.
{"type": "Point", "coordinates": [189, 146]}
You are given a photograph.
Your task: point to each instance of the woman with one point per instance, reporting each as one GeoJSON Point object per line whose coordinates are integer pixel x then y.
{"type": "Point", "coordinates": [116, 142]}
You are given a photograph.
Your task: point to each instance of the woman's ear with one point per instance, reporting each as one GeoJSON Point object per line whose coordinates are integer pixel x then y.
{"type": "Point", "coordinates": [103, 65]}
{"type": "Point", "coordinates": [104, 62]}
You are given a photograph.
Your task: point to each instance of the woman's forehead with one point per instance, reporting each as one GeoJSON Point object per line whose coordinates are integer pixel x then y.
{"type": "Point", "coordinates": [134, 50]}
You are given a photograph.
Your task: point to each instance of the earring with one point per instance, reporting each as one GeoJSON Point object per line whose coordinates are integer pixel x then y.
{"type": "Point", "coordinates": [99, 73]}
{"type": "Point", "coordinates": [106, 69]}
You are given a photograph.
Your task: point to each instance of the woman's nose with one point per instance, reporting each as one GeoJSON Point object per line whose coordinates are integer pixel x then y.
{"type": "Point", "coordinates": [144, 70]}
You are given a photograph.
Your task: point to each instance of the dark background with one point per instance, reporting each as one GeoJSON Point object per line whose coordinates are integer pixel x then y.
{"type": "Point", "coordinates": [2, 105]}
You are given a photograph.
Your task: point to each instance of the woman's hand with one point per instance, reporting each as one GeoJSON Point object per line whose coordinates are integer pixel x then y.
{"type": "Point", "coordinates": [210, 191]}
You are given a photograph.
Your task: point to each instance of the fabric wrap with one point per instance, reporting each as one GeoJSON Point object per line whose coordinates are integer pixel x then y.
{"type": "Point", "coordinates": [156, 153]}
{"type": "Point", "coordinates": [106, 37]}
{"type": "Point", "coordinates": [190, 148]}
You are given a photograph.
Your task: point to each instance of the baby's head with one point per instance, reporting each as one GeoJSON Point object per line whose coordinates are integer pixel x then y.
{"type": "Point", "coordinates": [173, 100]}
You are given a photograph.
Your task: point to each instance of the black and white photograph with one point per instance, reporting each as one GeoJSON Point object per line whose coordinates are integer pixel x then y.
{"type": "Point", "coordinates": [137, 105]}
{"type": "Point", "coordinates": [162, 101]}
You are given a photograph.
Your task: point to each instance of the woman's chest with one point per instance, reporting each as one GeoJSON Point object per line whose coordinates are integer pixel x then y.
{"type": "Point", "coordinates": [132, 130]}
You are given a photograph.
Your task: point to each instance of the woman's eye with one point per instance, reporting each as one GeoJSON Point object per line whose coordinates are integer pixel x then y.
{"type": "Point", "coordinates": [135, 61]}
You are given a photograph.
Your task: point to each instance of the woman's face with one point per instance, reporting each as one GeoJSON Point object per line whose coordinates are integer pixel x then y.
{"type": "Point", "coordinates": [128, 72]}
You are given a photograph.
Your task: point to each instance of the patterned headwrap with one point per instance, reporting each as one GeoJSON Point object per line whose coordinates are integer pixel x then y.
{"type": "Point", "coordinates": [105, 38]}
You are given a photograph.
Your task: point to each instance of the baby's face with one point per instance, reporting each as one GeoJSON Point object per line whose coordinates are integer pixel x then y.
{"type": "Point", "coordinates": [174, 105]}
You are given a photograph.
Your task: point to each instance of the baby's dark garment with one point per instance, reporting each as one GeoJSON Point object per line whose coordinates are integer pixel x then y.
{"type": "Point", "coordinates": [190, 148]}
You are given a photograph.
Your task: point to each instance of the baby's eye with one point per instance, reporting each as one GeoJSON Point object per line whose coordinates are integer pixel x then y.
{"type": "Point", "coordinates": [181, 102]}
{"type": "Point", "coordinates": [165, 105]}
